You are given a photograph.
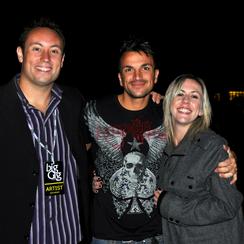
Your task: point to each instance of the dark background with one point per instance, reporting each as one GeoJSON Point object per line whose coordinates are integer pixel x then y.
{"type": "Point", "coordinates": [202, 38]}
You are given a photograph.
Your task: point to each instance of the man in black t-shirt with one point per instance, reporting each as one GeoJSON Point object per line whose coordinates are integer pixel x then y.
{"type": "Point", "coordinates": [128, 139]}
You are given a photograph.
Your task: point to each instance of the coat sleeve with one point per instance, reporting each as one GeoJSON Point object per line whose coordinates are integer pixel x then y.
{"type": "Point", "coordinates": [220, 201]}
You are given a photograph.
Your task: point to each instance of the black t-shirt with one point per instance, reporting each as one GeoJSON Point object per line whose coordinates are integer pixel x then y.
{"type": "Point", "coordinates": [127, 150]}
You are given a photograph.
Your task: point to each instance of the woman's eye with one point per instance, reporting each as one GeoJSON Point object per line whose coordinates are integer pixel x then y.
{"type": "Point", "coordinates": [195, 96]}
{"type": "Point", "coordinates": [180, 94]}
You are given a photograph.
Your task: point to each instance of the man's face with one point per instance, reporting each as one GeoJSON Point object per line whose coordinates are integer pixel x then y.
{"type": "Point", "coordinates": [42, 58]}
{"type": "Point", "coordinates": [137, 75]}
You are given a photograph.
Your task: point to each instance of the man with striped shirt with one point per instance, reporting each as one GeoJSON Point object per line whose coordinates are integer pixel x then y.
{"type": "Point", "coordinates": [44, 164]}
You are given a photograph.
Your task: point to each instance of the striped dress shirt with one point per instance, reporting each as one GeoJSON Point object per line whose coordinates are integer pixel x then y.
{"type": "Point", "coordinates": [56, 218]}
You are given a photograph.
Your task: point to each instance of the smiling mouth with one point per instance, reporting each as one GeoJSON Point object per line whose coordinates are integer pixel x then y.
{"type": "Point", "coordinates": [43, 69]}
{"type": "Point", "coordinates": [184, 110]}
{"type": "Point", "coordinates": [138, 83]}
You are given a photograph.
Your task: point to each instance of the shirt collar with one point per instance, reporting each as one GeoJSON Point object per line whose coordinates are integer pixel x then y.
{"type": "Point", "coordinates": [56, 92]}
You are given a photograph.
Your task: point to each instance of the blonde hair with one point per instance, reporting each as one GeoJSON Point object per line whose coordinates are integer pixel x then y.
{"type": "Point", "coordinates": [202, 122]}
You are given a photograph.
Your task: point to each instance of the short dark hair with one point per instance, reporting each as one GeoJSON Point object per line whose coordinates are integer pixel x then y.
{"type": "Point", "coordinates": [137, 44]}
{"type": "Point", "coordinates": [41, 22]}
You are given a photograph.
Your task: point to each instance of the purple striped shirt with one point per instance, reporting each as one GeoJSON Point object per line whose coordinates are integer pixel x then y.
{"type": "Point", "coordinates": [56, 218]}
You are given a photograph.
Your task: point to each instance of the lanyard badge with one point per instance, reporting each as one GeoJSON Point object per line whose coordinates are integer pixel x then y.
{"type": "Point", "coordinates": [53, 170]}
{"type": "Point", "coordinates": [54, 178]}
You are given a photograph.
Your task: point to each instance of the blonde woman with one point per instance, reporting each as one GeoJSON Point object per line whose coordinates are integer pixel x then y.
{"type": "Point", "coordinates": [197, 206]}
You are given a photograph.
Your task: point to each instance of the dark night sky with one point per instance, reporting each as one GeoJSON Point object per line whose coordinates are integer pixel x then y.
{"type": "Point", "coordinates": [202, 39]}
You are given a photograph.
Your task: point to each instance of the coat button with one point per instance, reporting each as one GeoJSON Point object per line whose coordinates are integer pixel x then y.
{"type": "Point", "coordinates": [171, 219]}
{"type": "Point", "coordinates": [190, 187]}
{"type": "Point", "coordinates": [32, 204]}
{"type": "Point", "coordinates": [172, 183]}
{"type": "Point", "coordinates": [35, 173]}
{"type": "Point", "coordinates": [27, 237]}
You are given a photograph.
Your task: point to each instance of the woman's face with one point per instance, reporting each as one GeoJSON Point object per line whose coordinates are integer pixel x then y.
{"type": "Point", "coordinates": [186, 106]}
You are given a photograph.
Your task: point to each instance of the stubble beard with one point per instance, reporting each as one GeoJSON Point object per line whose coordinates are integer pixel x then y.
{"type": "Point", "coordinates": [135, 96]}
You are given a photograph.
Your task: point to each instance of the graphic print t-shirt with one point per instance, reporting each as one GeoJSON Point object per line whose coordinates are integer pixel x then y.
{"type": "Point", "coordinates": [127, 150]}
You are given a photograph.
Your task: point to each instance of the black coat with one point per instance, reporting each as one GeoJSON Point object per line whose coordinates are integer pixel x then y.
{"type": "Point", "coordinates": [19, 163]}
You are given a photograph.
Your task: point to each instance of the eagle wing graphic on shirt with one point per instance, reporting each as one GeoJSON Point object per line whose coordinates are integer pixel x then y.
{"type": "Point", "coordinates": [108, 138]}
{"type": "Point", "coordinates": [156, 140]}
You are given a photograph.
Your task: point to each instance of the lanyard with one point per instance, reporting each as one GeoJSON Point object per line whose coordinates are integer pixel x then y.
{"type": "Point", "coordinates": [51, 152]}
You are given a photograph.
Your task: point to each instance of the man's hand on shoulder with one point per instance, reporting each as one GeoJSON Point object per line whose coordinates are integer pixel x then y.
{"type": "Point", "coordinates": [228, 168]}
{"type": "Point", "coordinates": [156, 97]}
